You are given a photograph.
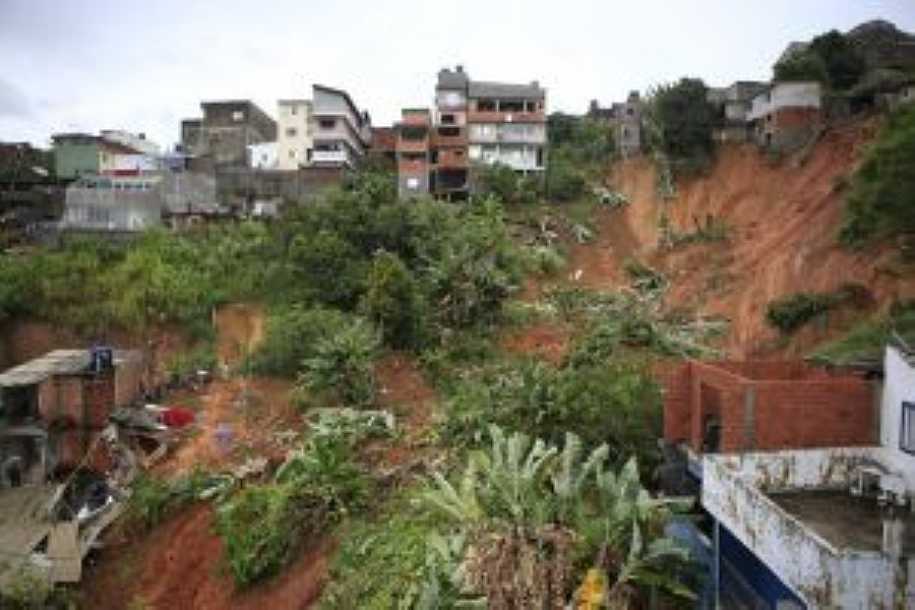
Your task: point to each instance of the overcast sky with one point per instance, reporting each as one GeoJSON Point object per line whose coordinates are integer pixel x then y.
{"type": "Point", "coordinates": [97, 64]}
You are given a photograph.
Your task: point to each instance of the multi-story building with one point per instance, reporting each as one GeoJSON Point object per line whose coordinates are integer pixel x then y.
{"type": "Point", "coordinates": [474, 123]}
{"type": "Point", "coordinates": [786, 115]}
{"type": "Point", "coordinates": [341, 133]}
{"type": "Point", "coordinates": [625, 122]}
{"type": "Point", "coordinates": [294, 134]}
{"type": "Point", "coordinates": [221, 139]}
{"type": "Point", "coordinates": [414, 152]}
{"type": "Point", "coordinates": [733, 105]}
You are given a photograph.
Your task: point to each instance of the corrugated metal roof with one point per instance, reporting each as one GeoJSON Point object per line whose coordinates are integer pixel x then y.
{"type": "Point", "coordinates": [58, 362]}
{"type": "Point", "coordinates": [484, 89]}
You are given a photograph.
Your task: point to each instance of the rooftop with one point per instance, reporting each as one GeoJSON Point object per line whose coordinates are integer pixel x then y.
{"type": "Point", "coordinates": [58, 362]}
{"type": "Point", "coordinates": [844, 521]}
{"type": "Point", "coordinates": [478, 89]}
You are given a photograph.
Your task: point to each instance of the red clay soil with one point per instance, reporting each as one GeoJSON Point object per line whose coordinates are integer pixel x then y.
{"type": "Point", "coordinates": [239, 328]}
{"type": "Point", "coordinates": [784, 220]}
{"type": "Point", "coordinates": [547, 341]}
{"type": "Point", "coordinates": [177, 566]}
{"type": "Point", "coordinates": [254, 410]}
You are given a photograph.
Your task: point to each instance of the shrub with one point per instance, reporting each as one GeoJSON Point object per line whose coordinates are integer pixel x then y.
{"type": "Point", "coordinates": [564, 182]}
{"type": "Point", "coordinates": [340, 366]}
{"type": "Point", "coordinates": [291, 336]}
{"type": "Point", "coordinates": [681, 120]}
{"type": "Point", "coordinates": [498, 180]}
{"type": "Point", "coordinates": [791, 312]}
{"type": "Point", "coordinates": [394, 302]}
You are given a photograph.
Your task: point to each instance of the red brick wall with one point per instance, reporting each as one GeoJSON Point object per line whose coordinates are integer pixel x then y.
{"type": "Point", "coordinates": [809, 407]}
{"type": "Point", "coordinates": [99, 398]}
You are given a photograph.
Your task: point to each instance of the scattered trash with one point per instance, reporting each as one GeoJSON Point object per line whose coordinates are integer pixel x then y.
{"type": "Point", "coordinates": [177, 417]}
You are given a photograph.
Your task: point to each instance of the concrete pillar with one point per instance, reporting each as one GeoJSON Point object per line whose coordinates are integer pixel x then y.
{"type": "Point", "coordinates": [749, 418]}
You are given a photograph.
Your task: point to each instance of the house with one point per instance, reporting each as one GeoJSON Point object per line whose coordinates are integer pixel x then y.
{"type": "Point", "coordinates": [625, 122]}
{"type": "Point", "coordinates": [341, 133]}
{"type": "Point", "coordinates": [383, 147]}
{"type": "Point", "coordinates": [112, 152]}
{"type": "Point", "coordinates": [53, 407]}
{"type": "Point", "coordinates": [786, 116]}
{"type": "Point", "coordinates": [807, 476]}
{"type": "Point", "coordinates": [733, 105]}
{"type": "Point", "coordinates": [413, 148]}
{"type": "Point", "coordinates": [221, 138]}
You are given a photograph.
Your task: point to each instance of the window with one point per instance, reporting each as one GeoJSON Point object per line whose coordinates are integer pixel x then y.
{"type": "Point", "coordinates": [486, 105]}
{"type": "Point", "coordinates": [448, 119]}
{"type": "Point", "coordinates": [238, 116]}
{"type": "Point", "coordinates": [907, 428]}
{"type": "Point", "coordinates": [291, 132]}
{"type": "Point", "coordinates": [449, 132]}
{"type": "Point", "coordinates": [293, 110]}
{"type": "Point", "coordinates": [327, 123]}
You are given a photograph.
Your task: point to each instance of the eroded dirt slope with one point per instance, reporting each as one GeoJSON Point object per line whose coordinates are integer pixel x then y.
{"type": "Point", "coordinates": [783, 218]}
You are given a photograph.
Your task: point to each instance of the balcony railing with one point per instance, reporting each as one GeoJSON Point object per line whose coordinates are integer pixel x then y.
{"type": "Point", "coordinates": [493, 116]}
{"type": "Point", "coordinates": [329, 156]}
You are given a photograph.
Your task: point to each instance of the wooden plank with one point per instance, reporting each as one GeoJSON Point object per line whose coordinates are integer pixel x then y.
{"type": "Point", "coordinates": [63, 553]}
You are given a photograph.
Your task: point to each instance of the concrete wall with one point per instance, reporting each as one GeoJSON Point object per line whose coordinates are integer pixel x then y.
{"type": "Point", "coordinates": [105, 208]}
{"type": "Point", "coordinates": [516, 156]}
{"type": "Point", "coordinates": [263, 155]}
{"type": "Point", "coordinates": [237, 186]}
{"type": "Point", "coordinates": [824, 577]}
{"type": "Point", "coordinates": [899, 386]}
{"type": "Point", "coordinates": [786, 95]}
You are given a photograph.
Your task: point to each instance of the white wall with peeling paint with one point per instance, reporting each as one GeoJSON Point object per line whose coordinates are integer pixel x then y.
{"type": "Point", "coordinates": [898, 386]}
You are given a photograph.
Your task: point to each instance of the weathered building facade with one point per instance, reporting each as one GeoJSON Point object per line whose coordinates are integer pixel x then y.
{"type": "Point", "coordinates": [625, 122]}
{"type": "Point", "coordinates": [294, 135]}
{"type": "Point", "coordinates": [341, 133]}
{"type": "Point", "coordinates": [222, 137]}
{"type": "Point", "coordinates": [733, 105]}
{"type": "Point", "coordinates": [786, 116]}
{"type": "Point", "coordinates": [414, 152]}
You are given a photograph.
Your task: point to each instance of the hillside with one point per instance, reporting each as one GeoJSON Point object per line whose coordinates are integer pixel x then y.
{"type": "Point", "coordinates": [782, 220]}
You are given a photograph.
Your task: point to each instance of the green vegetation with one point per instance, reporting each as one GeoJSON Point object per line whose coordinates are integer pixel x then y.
{"type": "Point", "coordinates": [679, 121]}
{"type": "Point", "coordinates": [528, 515]}
{"type": "Point", "coordinates": [881, 202]}
{"type": "Point", "coordinates": [580, 148]}
{"type": "Point", "coordinates": [866, 341]}
{"type": "Point", "coordinates": [831, 59]}
{"type": "Point", "coordinates": [791, 312]}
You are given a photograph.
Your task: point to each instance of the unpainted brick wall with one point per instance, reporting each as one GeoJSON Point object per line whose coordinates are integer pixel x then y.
{"type": "Point", "coordinates": [806, 407]}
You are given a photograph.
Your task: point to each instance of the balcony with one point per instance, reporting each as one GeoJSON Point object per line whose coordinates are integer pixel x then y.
{"type": "Point", "coordinates": [453, 136]}
{"type": "Point", "coordinates": [452, 159]}
{"type": "Point", "coordinates": [495, 116]}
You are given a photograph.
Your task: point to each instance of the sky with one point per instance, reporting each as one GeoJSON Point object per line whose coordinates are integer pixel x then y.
{"type": "Point", "coordinates": [87, 65]}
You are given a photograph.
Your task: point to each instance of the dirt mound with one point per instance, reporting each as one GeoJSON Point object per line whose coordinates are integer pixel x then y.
{"type": "Point", "coordinates": [783, 220]}
{"type": "Point", "coordinates": [178, 567]}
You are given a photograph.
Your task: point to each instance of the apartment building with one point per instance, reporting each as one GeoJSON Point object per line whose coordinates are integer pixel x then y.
{"type": "Point", "coordinates": [733, 105]}
{"type": "Point", "coordinates": [294, 133]}
{"type": "Point", "coordinates": [113, 152]}
{"type": "Point", "coordinates": [474, 123]}
{"type": "Point", "coordinates": [341, 133]}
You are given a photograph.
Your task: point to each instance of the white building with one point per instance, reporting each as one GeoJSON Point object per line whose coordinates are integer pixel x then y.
{"type": "Point", "coordinates": [122, 152]}
{"type": "Point", "coordinates": [341, 132]}
{"type": "Point", "coordinates": [294, 134]}
{"type": "Point", "coordinates": [822, 528]}
{"type": "Point", "coordinates": [263, 155]}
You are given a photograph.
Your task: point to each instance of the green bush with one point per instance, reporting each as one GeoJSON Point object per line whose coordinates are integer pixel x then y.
{"type": "Point", "coordinates": [881, 201]}
{"type": "Point", "coordinates": [291, 336]}
{"type": "Point", "coordinates": [794, 311]}
{"type": "Point", "coordinates": [564, 182]}
{"type": "Point", "coordinates": [340, 366]}
{"type": "Point", "coordinates": [680, 121]}
{"type": "Point", "coordinates": [394, 302]}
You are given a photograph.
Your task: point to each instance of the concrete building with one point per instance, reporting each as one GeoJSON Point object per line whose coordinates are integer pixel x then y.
{"type": "Point", "coordinates": [222, 137]}
{"type": "Point", "coordinates": [383, 148]}
{"type": "Point", "coordinates": [294, 134]}
{"type": "Point", "coordinates": [787, 115]}
{"type": "Point", "coordinates": [808, 476]}
{"type": "Point", "coordinates": [625, 122]}
{"type": "Point", "coordinates": [474, 123]}
{"type": "Point", "coordinates": [734, 104]}
{"type": "Point", "coordinates": [341, 133]}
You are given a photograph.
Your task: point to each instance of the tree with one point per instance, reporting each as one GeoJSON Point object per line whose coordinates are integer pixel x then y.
{"type": "Point", "coordinates": [394, 302]}
{"type": "Point", "coordinates": [681, 121]}
{"type": "Point", "coordinates": [800, 67]}
{"type": "Point", "coordinates": [830, 59]}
